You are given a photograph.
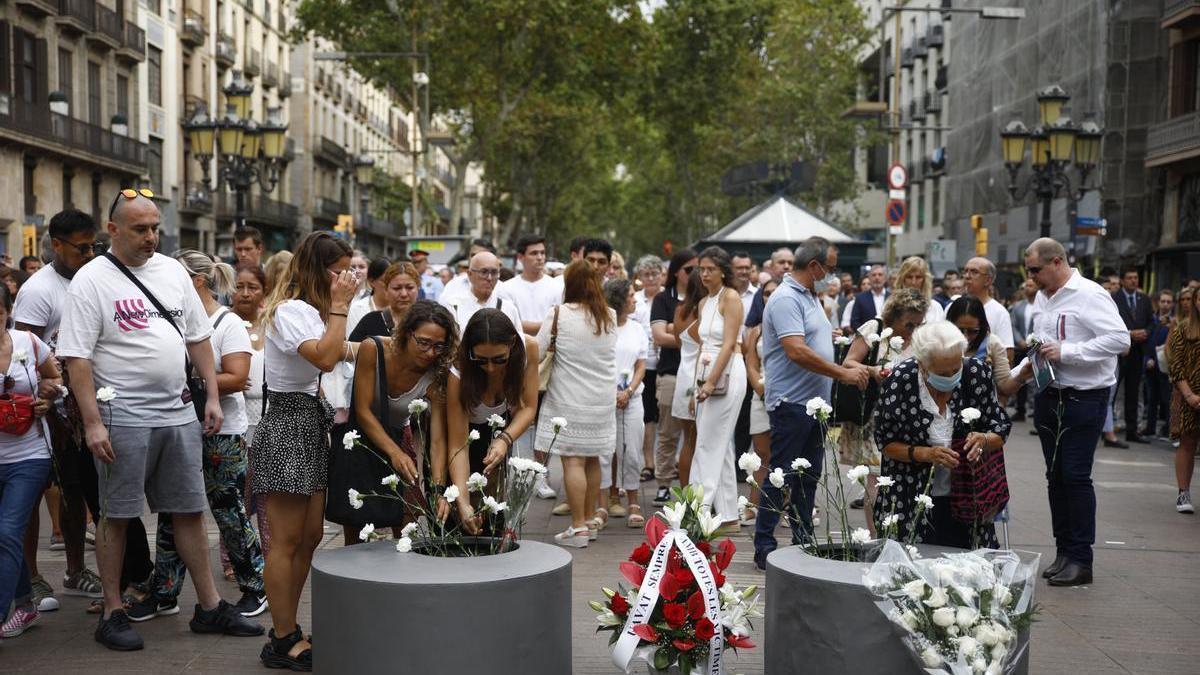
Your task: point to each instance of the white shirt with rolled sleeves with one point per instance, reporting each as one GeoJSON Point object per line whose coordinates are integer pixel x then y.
{"type": "Point", "coordinates": [641, 314]}
{"type": "Point", "coordinates": [133, 349]}
{"type": "Point", "coordinates": [1083, 319]}
{"type": "Point", "coordinates": [1000, 322]}
{"type": "Point", "coordinates": [230, 337]}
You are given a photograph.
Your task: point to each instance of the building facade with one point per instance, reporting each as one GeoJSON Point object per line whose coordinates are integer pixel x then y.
{"type": "Point", "coordinates": [72, 74]}
{"type": "Point", "coordinates": [1173, 149]}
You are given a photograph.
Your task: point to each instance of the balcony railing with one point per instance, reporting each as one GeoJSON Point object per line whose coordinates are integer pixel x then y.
{"type": "Point", "coordinates": [37, 120]}
{"type": "Point", "coordinates": [330, 151]}
{"type": "Point", "coordinates": [935, 36]}
{"type": "Point", "coordinates": [226, 52]}
{"type": "Point", "coordinates": [270, 76]}
{"type": "Point", "coordinates": [195, 30]}
{"type": "Point", "coordinates": [906, 57]}
{"type": "Point", "coordinates": [933, 101]}
{"type": "Point", "coordinates": [329, 209]}
{"type": "Point", "coordinates": [133, 47]}
{"type": "Point", "coordinates": [197, 200]}
{"type": "Point", "coordinates": [1174, 140]}
{"type": "Point", "coordinates": [109, 29]}
{"type": "Point", "coordinates": [38, 7]}
{"type": "Point", "coordinates": [258, 208]}
{"type": "Point", "coordinates": [285, 85]}
{"type": "Point", "coordinates": [919, 49]}
{"type": "Point", "coordinates": [77, 16]}
{"type": "Point", "coordinates": [252, 66]}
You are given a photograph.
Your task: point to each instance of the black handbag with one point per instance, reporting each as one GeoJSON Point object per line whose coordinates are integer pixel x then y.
{"type": "Point", "coordinates": [196, 392]}
{"type": "Point", "coordinates": [851, 404]}
{"type": "Point", "coordinates": [363, 466]}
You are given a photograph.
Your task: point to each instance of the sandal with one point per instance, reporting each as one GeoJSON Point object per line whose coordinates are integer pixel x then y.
{"type": "Point", "coordinates": [636, 519]}
{"type": "Point", "coordinates": [275, 654]}
{"type": "Point", "coordinates": [600, 518]}
{"type": "Point", "coordinates": [563, 509]}
{"type": "Point", "coordinates": [647, 474]}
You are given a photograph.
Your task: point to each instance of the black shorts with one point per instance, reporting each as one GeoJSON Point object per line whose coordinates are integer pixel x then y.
{"type": "Point", "coordinates": [650, 397]}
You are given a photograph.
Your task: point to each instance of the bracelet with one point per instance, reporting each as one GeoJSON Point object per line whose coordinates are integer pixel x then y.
{"type": "Point", "coordinates": [507, 438]}
{"type": "Point", "coordinates": [912, 449]}
{"type": "Point", "coordinates": [338, 314]}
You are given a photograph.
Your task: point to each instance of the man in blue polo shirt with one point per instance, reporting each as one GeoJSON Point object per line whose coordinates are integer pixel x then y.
{"type": "Point", "coordinates": [798, 355]}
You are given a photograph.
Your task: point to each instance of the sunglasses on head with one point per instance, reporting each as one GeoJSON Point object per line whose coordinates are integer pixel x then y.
{"type": "Point", "coordinates": [128, 193]}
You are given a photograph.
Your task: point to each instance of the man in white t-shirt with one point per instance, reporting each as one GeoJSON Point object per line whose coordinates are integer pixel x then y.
{"type": "Point", "coordinates": [462, 282]}
{"type": "Point", "coordinates": [126, 360]}
{"type": "Point", "coordinates": [978, 275]}
{"type": "Point", "coordinates": [484, 272]}
{"type": "Point", "coordinates": [533, 292]}
{"type": "Point", "coordinates": [38, 309]}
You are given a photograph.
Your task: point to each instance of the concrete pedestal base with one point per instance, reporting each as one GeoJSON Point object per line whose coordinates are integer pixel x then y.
{"type": "Point", "coordinates": [379, 611]}
{"type": "Point", "coordinates": [820, 619]}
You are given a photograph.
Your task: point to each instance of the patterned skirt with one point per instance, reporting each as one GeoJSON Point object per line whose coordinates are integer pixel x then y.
{"type": "Point", "coordinates": [290, 452]}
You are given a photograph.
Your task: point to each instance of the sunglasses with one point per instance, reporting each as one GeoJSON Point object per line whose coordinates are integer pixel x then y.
{"type": "Point", "coordinates": [128, 193]}
{"type": "Point", "coordinates": [495, 360]}
{"type": "Point", "coordinates": [427, 345]}
{"type": "Point", "coordinates": [95, 248]}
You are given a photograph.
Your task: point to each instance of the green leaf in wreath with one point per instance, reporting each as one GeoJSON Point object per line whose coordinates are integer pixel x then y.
{"type": "Point", "coordinates": [662, 658]}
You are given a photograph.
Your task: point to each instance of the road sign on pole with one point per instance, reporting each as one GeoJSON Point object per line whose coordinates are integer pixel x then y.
{"type": "Point", "coordinates": [896, 211]}
{"type": "Point", "coordinates": [897, 177]}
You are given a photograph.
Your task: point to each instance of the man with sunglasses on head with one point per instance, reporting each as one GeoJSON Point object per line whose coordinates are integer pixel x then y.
{"type": "Point", "coordinates": [483, 273]}
{"type": "Point", "coordinates": [117, 333]}
{"type": "Point", "coordinates": [38, 309]}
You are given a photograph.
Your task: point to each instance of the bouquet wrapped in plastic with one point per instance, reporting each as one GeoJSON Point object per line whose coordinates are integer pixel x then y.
{"type": "Point", "coordinates": [961, 613]}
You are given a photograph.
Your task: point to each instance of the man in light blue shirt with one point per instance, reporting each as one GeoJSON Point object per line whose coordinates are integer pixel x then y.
{"type": "Point", "coordinates": [431, 285]}
{"type": "Point", "coordinates": [798, 357]}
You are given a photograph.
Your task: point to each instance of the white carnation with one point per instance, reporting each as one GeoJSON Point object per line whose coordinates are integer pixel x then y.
{"type": "Point", "coordinates": [451, 493]}
{"type": "Point", "coordinates": [858, 473]}
{"type": "Point", "coordinates": [776, 477]}
{"type": "Point", "coordinates": [943, 616]}
{"type": "Point", "coordinates": [800, 464]}
{"type": "Point", "coordinates": [390, 481]}
{"type": "Point", "coordinates": [355, 500]}
{"type": "Point", "coordinates": [969, 415]}
{"type": "Point", "coordinates": [350, 438]}
{"type": "Point", "coordinates": [476, 482]}
{"type": "Point", "coordinates": [418, 406]}
{"type": "Point", "coordinates": [403, 545]}
{"type": "Point", "coordinates": [749, 462]}
{"type": "Point", "coordinates": [885, 481]}
{"type": "Point", "coordinates": [860, 536]}
{"type": "Point", "coordinates": [367, 533]}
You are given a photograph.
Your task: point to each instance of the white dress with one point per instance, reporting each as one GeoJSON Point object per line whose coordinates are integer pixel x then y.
{"type": "Point", "coordinates": [716, 417]}
{"type": "Point", "coordinates": [581, 385]}
{"type": "Point", "coordinates": [685, 377]}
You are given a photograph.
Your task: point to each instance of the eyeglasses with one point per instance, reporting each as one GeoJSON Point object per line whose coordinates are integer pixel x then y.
{"type": "Point", "coordinates": [427, 345]}
{"type": "Point", "coordinates": [496, 360]}
{"type": "Point", "coordinates": [487, 274]}
{"type": "Point", "coordinates": [128, 193]}
{"type": "Point", "coordinates": [95, 248]}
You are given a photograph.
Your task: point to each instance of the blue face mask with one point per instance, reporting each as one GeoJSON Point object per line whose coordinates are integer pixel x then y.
{"type": "Point", "coordinates": [945, 383]}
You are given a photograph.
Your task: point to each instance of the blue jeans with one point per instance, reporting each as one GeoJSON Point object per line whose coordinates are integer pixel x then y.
{"type": "Point", "coordinates": [21, 486]}
{"type": "Point", "coordinates": [1068, 423]}
{"type": "Point", "coordinates": [793, 434]}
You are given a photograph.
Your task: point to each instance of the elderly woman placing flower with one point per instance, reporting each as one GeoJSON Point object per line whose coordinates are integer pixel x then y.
{"type": "Point", "coordinates": [918, 419]}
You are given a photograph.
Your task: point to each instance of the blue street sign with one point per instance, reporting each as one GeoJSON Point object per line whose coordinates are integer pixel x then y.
{"type": "Point", "coordinates": [896, 211]}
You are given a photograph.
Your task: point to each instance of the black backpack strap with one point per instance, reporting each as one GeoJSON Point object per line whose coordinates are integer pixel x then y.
{"type": "Point", "coordinates": [499, 303]}
{"type": "Point", "coordinates": [381, 383]}
{"type": "Point", "coordinates": [224, 313]}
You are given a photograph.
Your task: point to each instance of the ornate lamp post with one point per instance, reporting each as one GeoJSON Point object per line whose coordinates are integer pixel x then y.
{"type": "Point", "coordinates": [364, 166]}
{"type": "Point", "coordinates": [247, 152]}
{"type": "Point", "coordinates": [1051, 145]}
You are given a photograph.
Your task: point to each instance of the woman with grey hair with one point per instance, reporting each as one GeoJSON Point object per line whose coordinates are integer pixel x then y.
{"type": "Point", "coordinates": [917, 421]}
{"type": "Point", "coordinates": [649, 273]}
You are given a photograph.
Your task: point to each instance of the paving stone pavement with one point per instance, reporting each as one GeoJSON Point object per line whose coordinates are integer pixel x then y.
{"type": "Point", "coordinates": [1142, 614]}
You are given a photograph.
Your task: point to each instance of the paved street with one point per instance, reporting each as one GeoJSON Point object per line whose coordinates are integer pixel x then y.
{"type": "Point", "coordinates": [1141, 616]}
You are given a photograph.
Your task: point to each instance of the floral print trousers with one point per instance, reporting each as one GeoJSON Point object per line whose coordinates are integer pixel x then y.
{"type": "Point", "coordinates": [225, 484]}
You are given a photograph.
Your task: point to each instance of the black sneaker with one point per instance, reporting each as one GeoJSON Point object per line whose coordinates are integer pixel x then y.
{"type": "Point", "coordinates": [663, 495]}
{"type": "Point", "coordinates": [857, 503]}
{"type": "Point", "coordinates": [252, 603]}
{"type": "Point", "coordinates": [116, 633]}
{"type": "Point", "coordinates": [151, 606]}
{"type": "Point", "coordinates": [1183, 503]}
{"type": "Point", "coordinates": [224, 618]}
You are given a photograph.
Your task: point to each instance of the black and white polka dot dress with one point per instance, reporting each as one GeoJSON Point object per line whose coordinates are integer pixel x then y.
{"type": "Point", "coordinates": [290, 452]}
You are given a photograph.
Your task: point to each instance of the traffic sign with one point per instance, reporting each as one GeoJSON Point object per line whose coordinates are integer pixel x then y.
{"type": "Point", "coordinates": [897, 177]}
{"type": "Point", "coordinates": [898, 194]}
{"type": "Point", "coordinates": [896, 212]}
{"type": "Point", "coordinates": [895, 230]}
{"type": "Point", "coordinates": [1086, 226]}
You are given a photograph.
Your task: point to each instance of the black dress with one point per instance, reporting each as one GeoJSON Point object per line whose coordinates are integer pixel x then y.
{"type": "Point", "coordinates": [373, 324]}
{"type": "Point", "coordinates": [900, 418]}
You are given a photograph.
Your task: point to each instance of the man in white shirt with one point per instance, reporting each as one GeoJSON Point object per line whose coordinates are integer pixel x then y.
{"type": "Point", "coordinates": [743, 265]}
{"type": "Point", "coordinates": [979, 274]}
{"type": "Point", "coordinates": [38, 309]}
{"type": "Point", "coordinates": [146, 439]}
{"type": "Point", "coordinates": [533, 292]}
{"type": "Point", "coordinates": [462, 281]}
{"type": "Point", "coordinates": [483, 273]}
{"type": "Point", "coordinates": [1081, 333]}
{"type": "Point", "coordinates": [1022, 324]}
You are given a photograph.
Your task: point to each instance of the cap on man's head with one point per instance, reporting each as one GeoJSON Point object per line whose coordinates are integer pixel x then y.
{"type": "Point", "coordinates": [416, 252]}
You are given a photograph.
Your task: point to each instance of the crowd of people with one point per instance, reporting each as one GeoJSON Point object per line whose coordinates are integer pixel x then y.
{"type": "Point", "coordinates": [190, 383]}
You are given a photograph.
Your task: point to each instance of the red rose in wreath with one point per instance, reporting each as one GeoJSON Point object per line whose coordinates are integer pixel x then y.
{"type": "Point", "coordinates": [675, 614]}
{"type": "Point", "coordinates": [705, 629]}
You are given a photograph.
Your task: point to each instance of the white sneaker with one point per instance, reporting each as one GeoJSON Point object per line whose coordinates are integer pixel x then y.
{"type": "Point", "coordinates": [543, 489]}
{"type": "Point", "coordinates": [574, 538]}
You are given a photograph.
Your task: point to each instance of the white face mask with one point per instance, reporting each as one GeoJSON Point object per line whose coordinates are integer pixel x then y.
{"type": "Point", "coordinates": [823, 284]}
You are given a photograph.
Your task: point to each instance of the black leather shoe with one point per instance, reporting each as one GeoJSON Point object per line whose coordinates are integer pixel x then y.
{"type": "Point", "coordinates": [1114, 443]}
{"type": "Point", "coordinates": [1072, 574]}
{"type": "Point", "coordinates": [1055, 567]}
{"type": "Point", "coordinates": [760, 559]}
{"type": "Point", "coordinates": [1134, 438]}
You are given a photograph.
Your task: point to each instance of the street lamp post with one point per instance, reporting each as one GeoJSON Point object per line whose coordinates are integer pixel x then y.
{"type": "Point", "coordinates": [1054, 145]}
{"type": "Point", "coordinates": [364, 167]}
{"type": "Point", "coordinates": [247, 152]}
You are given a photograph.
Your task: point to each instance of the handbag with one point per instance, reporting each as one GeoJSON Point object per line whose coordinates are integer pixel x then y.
{"type": "Point", "coordinates": [546, 363]}
{"type": "Point", "coordinates": [363, 468]}
{"type": "Point", "coordinates": [16, 410]}
{"type": "Point", "coordinates": [196, 392]}
{"type": "Point", "coordinates": [722, 385]}
{"type": "Point", "coordinates": [851, 404]}
{"type": "Point", "coordinates": [977, 491]}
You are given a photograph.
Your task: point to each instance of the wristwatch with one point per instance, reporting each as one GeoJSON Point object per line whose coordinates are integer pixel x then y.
{"type": "Point", "coordinates": [912, 449]}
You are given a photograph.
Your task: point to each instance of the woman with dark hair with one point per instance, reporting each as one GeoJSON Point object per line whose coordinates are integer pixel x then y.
{"type": "Point", "coordinates": [720, 385]}
{"type": "Point", "coordinates": [683, 404]}
{"type": "Point", "coordinates": [492, 389]}
{"type": "Point", "coordinates": [417, 359]}
{"type": "Point", "coordinates": [305, 321]}
{"type": "Point", "coordinates": [662, 332]}
{"type": "Point", "coordinates": [968, 315]}
{"type": "Point", "coordinates": [620, 471]}
{"type": "Point", "coordinates": [578, 416]}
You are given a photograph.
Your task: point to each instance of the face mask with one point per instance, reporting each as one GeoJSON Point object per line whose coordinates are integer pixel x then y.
{"type": "Point", "coordinates": [945, 383]}
{"type": "Point", "coordinates": [825, 283]}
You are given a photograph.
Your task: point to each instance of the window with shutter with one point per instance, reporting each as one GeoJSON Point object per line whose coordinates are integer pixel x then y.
{"type": "Point", "coordinates": [5, 59]}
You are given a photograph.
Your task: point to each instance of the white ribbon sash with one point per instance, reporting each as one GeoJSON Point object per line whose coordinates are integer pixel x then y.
{"type": "Point", "coordinates": [648, 593]}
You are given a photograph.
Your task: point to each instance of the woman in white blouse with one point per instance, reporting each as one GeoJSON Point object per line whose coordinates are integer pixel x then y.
{"type": "Point", "coordinates": [914, 273]}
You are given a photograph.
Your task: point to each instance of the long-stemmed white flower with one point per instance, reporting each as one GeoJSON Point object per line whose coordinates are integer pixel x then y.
{"type": "Point", "coordinates": [404, 545]}
{"type": "Point", "coordinates": [350, 438]}
{"type": "Point", "coordinates": [451, 494]}
{"type": "Point", "coordinates": [492, 506]}
{"type": "Point", "coordinates": [749, 462]}
{"type": "Point", "coordinates": [355, 499]}
{"type": "Point", "coordinates": [106, 394]}
{"type": "Point", "coordinates": [368, 532]}
{"type": "Point", "coordinates": [418, 406]}
{"type": "Point", "coordinates": [391, 481]}
{"type": "Point", "coordinates": [476, 482]}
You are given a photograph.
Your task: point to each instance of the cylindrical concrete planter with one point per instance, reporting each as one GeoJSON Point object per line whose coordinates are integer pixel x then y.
{"type": "Point", "coordinates": [379, 611]}
{"type": "Point", "coordinates": [821, 619]}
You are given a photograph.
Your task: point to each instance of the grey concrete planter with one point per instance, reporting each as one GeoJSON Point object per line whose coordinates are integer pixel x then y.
{"type": "Point", "coordinates": [378, 611]}
{"type": "Point", "coordinates": [820, 619]}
